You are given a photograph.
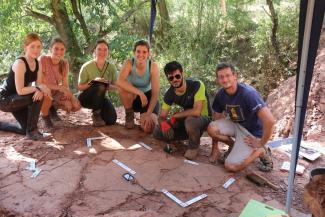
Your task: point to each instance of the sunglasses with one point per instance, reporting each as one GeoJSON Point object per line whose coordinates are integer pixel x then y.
{"type": "Point", "coordinates": [171, 78]}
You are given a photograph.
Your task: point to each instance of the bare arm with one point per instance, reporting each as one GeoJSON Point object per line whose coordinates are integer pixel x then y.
{"type": "Point", "coordinates": [40, 83]}
{"type": "Point", "coordinates": [19, 69]}
{"type": "Point", "coordinates": [163, 114]}
{"type": "Point", "coordinates": [155, 87]}
{"type": "Point", "coordinates": [122, 81]}
{"type": "Point", "coordinates": [268, 122]}
{"type": "Point", "coordinates": [195, 111]}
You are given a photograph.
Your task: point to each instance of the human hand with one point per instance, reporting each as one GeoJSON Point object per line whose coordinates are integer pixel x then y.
{"type": "Point", "coordinates": [45, 90]}
{"type": "Point", "coordinates": [38, 95]}
{"type": "Point", "coordinates": [146, 121]}
{"type": "Point", "coordinates": [166, 130]}
{"type": "Point", "coordinates": [144, 100]}
{"type": "Point", "coordinates": [66, 93]}
{"type": "Point", "coordinates": [253, 142]}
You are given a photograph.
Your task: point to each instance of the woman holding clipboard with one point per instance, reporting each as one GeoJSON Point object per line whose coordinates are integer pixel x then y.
{"type": "Point", "coordinates": [95, 78]}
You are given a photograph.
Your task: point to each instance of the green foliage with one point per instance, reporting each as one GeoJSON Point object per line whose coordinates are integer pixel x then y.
{"type": "Point", "coordinates": [266, 68]}
{"type": "Point", "coordinates": [199, 36]}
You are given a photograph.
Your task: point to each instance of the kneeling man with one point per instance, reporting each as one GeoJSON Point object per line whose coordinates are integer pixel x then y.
{"type": "Point", "coordinates": [192, 121]}
{"type": "Point", "coordinates": [247, 120]}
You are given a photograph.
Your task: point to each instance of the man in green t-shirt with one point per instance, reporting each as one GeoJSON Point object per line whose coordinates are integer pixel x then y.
{"type": "Point", "coordinates": [195, 117]}
{"type": "Point", "coordinates": [95, 78]}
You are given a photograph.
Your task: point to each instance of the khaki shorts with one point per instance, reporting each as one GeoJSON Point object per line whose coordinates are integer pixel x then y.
{"type": "Point", "coordinates": [241, 150]}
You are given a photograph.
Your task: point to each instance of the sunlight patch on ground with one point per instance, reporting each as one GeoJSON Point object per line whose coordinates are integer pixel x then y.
{"type": "Point", "coordinates": [13, 155]}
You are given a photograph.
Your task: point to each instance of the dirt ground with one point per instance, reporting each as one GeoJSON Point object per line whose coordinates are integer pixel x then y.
{"type": "Point", "coordinates": [79, 181]}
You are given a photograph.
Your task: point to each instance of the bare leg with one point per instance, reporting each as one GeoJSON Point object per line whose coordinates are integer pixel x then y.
{"type": "Point", "coordinates": [216, 138]}
{"type": "Point", "coordinates": [47, 103]}
{"type": "Point", "coordinates": [237, 167]}
{"type": "Point", "coordinates": [126, 98]}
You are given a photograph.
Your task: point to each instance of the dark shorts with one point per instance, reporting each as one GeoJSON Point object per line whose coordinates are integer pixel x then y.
{"type": "Point", "coordinates": [137, 107]}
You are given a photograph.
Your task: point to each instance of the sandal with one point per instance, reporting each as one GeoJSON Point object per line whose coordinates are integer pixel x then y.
{"type": "Point", "coordinates": [266, 162]}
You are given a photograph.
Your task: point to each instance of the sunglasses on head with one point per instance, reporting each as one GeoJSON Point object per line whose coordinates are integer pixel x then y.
{"type": "Point", "coordinates": [171, 78]}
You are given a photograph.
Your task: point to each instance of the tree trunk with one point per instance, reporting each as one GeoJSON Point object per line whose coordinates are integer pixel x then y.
{"type": "Point", "coordinates": [274, 39]}
{"type": "Point", "coordinates": [164, 16]}
{"type": "Point", "coordinates": [223, 6]}
{"type": "Point", "coordinates": [64, 28]}
{"type": "Point", "coordinates": [199, 19]}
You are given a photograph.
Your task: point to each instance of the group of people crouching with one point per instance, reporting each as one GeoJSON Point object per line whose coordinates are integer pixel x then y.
{"type": "Point", "coordinates": [239, 117]}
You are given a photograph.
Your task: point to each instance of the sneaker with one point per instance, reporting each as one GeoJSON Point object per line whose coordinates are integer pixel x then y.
{"type": "Point", "coordinates": [97, 119]}
{"type": "Point", "coordinates": [47, 121]}
{"type": "Point", "coordinates": [54, 114]}
{"type": "Point", "coordinates": [191, 154]}
{"type": "Point", "coordinates": [266, 161]}
{"type": "Point", "coordinates": [129, 118]}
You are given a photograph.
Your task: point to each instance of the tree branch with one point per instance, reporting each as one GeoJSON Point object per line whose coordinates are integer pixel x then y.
{"type": "Point", "coordinates": [122, 19]}
{"type": "Point", "coordinates": [80, 18]}
{"type": "Point", "coordinates": [266, 12]}
{"type": "Point", "coordinates": [30, 12]}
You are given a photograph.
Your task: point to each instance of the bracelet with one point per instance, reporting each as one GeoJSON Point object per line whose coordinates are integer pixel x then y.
{"type": "Point", "coordinates": [39, 89]}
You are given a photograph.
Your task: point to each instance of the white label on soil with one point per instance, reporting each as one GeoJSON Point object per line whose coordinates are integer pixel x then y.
{"type": "Point", "coordinates": [88, 142]}
{"type": "Point", "coordinates": [124, 166]}
{"type": "Point", "coordinates": [229, 182]}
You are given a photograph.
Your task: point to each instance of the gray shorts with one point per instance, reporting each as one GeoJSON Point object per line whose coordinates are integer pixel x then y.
{"type": "Point", "coordinates": [241, 150]}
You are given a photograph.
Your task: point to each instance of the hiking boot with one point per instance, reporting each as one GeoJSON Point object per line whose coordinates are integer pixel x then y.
{"type": "Point", "coordinates": [129, 118]}
{"type": "Point", "coordinates": [54, 114]}
{"type": "Point", "coordinates": [266, 162]}
{"type": "Point", "coordinates": [35, 135]}
{"type": "Point", "coordinates": [97, 119]}
{"type": "Point", "coordinates": [47, 122]}
{"type": "Point", "coordinates": [191, 154]}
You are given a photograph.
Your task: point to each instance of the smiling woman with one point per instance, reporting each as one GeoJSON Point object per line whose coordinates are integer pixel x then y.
{"type": "Point", "coordinates": [139, 87]}
{"type": "Point", "coordinates": [55, 72]}
{"type": "Point", "coordinates": [18, 96]}
{"type": "Point", "coordinates": [96, 77]}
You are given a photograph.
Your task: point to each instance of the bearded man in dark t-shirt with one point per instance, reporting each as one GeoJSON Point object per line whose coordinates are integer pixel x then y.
{"type": "Point", "coordinates": [192, 121]}
{"type": "Point", "coordinates": [240, 113]}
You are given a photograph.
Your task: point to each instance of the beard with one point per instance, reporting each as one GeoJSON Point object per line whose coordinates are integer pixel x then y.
{"type": "Point", "coordinates": [179, 85]}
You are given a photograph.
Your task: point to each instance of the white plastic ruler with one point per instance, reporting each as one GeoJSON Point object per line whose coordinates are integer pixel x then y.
{"type": "Point", "coordinates": [124, 166]}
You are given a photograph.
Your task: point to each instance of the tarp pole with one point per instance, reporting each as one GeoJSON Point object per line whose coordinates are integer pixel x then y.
{"type": "Point", "coordinates": [299, 100]}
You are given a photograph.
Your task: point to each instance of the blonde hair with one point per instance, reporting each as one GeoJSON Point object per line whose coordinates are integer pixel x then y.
{"type": "Point", "coordinates": [31, 37]}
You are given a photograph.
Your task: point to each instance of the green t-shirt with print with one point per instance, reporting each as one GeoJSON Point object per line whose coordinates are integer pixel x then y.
{"type": "Point", "coordinates": [89, 71]}
{"type": "Point", "coordinates": [195, 91]}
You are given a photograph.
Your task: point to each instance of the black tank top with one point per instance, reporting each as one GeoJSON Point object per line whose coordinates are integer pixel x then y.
{"type": "Point", "coordinates": [9, 86]}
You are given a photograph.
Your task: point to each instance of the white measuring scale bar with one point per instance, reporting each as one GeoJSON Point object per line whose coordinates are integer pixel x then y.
{"type": "Point", "coordinates": [145, 146]}
{"type": "Point", "coordinates": [173, 197]}
{"type": "Point", "coordinates": [195, 199]}
{"type": "Point", "coordinates": [124, 166]}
